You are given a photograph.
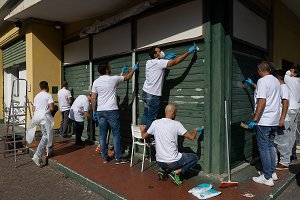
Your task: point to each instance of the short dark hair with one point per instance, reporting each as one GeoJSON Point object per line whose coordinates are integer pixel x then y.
{"type": "Point", "coordinates": [296, 70]}
{"type": "Point", "coordinates": [102, 67]}
{"type": "Point", "coordinates": [64, 84]}
{"type": "Point", "coordinates": [43, 85]}
{"type": "Point", "coordinates": [152, 51]}
{"type": "Point", "coordinates": [264, 66]}
{"type": "Point", "coordinates": [279, 74]}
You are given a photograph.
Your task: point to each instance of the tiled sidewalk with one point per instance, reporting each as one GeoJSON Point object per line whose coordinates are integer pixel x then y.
{"type": "Point", "coordinates": [124, 182]}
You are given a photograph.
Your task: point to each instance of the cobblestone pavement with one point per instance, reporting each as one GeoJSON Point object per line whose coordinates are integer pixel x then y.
{"type": "Point", "coordinates": [28, 181]}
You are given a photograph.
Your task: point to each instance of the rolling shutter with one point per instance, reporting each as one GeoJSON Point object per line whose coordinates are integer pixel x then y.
{"type": "Point", "coordinates": [14, 53]}
{"type": "Point", "coordinates": [244, 65]}
{"type": "Point", "coordinates": [184, 88]}
{"type": "Point", "coordinates": [124, 96]}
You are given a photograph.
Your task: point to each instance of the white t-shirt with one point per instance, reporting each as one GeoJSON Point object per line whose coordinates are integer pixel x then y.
{"type": "Point", "coordinates": [154, 71]}
{"type": "Point", "coordinates": [166, 133]}
{"type": "Point", "coordinates": [79, 107]}
{"type": "Point", "coordinates": [268, 88]}
{"type": "Point", "coordinates": [294, 85]}
{"type": "Point", "coordinates": [41, 102]}
{"type": "Point", "coordinates": [284, 94]}
{"type": "Point", "coordinates": [62, 97]}
{"type": "Point", "coordinates": [106, 88]}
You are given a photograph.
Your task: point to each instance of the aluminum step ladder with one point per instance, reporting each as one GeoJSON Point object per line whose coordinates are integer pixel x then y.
{"type": "Point", "coordinates": [16, 140]}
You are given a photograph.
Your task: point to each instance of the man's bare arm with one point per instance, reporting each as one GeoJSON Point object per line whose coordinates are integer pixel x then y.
{"type": "Point", "coordinates": [259, 109]}
{"type": "Point", "coordinates": [144, 133]}
{"type": "Point", "coordinates": [285, 106]}
{"type": "Point", "coordinates": [70, 100]}
{"type": "Point", "coordinates": [88, 115]}
{"type": "Point", "coordinates": [33, 108]}
{"type": "Point", "coordinates": [129, 75]}
{"type": "Point", "coordinates": [93, 101]}
{"type": "Point", "coordinates": [51, 106]}
{"type": "Point", "coordinates": [178, 60]}
{"type": "Point", "coordinates": [191, 136]}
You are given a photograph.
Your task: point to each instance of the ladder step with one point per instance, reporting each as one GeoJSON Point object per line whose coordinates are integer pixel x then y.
{"type": "Point", "coordinates": [23, 132]}
{"type": "Point", "coordinates": [19, 115]}
{"type": "Point", "coordinates": [11, 141]}
{"type": "Point", "coordinates": [17, 124]}
{"type": "Point", "coordinates": [16, 149]}
{"type": "Point", "coordinates": [19, 107]}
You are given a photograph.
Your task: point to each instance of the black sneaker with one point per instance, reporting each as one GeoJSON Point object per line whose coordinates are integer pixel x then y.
{"type": "Point", "coordinates": [65, 136]}
{"type": "Point", "coordinates": [105, 160]}
{"type": "Point", "coordinates": [79, 145]}
{"type": "Point", "coordinates": [121, 161]}
{"type": "Point", "coordinates": [162, 175]}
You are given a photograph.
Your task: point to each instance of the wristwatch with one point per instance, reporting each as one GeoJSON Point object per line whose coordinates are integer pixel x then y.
{"type": "Point", "coordinates": [253, 120]}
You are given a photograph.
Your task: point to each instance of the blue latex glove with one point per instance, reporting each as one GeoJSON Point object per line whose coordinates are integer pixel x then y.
{"type": "Point", "coordinates": [124, 69]}
{"type": "Point", "coordinates": [135, 67]}
{"type": "Point", "coordinates": [199, 129]}
{"type": "Point", "coordinates": [248, 80]}
{"type": "Point", "coordinates": [193, 48]}
{"type": "Point", "coordinates": [95, 116]}
{"type": "Point", "coordinates": [56, 107]}
{"type": "Point", "coordinates": [251, 125]}
{"type": "Point", "coordinates": [171, 56]}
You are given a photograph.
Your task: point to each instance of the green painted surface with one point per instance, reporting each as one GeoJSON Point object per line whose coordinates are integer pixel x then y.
{"type": "Point", "coordinates": [78, 78]}
{"type": "Point", "coordinates": [183, 87]}
{"type": "Point", "coordinates": [14, 53]}
{"type": "Point", "coordinates": [124, 96]}
{"type": "Point", "coordinates": [244, 65]}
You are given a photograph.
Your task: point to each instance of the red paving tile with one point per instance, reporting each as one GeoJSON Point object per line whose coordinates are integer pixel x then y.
{"type": "Point", "coordinates": [131, 183]}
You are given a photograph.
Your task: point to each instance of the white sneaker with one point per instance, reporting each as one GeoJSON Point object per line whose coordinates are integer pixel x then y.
{"type": "Point", "coordinates": [37, 161]}
{"type": "Point", "coordinates": [274, 175]}
{"type": "Point", "coordinates": [261, 179]}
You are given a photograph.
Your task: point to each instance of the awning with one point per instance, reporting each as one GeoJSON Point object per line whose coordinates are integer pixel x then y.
{"type": "Point", "coordinates": [65, 11]}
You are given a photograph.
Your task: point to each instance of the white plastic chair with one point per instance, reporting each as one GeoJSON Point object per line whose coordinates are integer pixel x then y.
{"type": "Point", "coordinates": [136, 134]}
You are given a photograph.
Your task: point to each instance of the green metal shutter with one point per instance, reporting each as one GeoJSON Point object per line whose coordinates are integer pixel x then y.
{"type": "Point", "coordinates": [78, 78]}
{"type": "Point", "coordinates": [184, 88]}
{"type": "Point", "coordinates": [244, 65]}
{"type": "Point", "coordinates": [14, 53]}
{"type": "Point", "coordinates": [124, 96]}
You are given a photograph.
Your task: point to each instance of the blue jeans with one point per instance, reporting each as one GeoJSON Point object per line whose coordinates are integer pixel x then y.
{"type": "Point", "coordinates": [43, 143]}
{"type": "Point", "coordinates": [78, 131]}
{"type": "Point", "coordinates": [265, 138]}
{"type": "Point", "coordinates": [187, 161]}
{"type": "Point", "coordinates": [112, 117]}
{"type": "Point", "coordinates": [151, 106]}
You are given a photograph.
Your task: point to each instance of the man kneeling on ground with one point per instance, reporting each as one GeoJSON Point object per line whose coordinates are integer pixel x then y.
{"type": "Point", "coordinates": [166, 131]}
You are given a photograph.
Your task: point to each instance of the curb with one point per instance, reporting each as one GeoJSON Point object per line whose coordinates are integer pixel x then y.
{"type": "Point", "coordinates": [276, 193]}
{"type": "Point", "coordinates": [95, 187]}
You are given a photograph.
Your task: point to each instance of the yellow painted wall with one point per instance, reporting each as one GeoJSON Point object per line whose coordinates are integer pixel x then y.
{"type": "Point", "coordinates": [286, 35]}
{"type": "Point", "coordinates": [42, 57]}
{"type": "Point", "coordinates": [43, 60]}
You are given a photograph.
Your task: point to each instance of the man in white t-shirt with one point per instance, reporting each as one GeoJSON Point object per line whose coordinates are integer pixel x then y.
{"type": "Point", "coordinates": [292, 80]}
{"type": "Point", "coordinates": [166, 132]}
{"type": "Point", "coordinates": [77, 111]}
{"type": "Point", "coordinates": [107, 108]}
{"type": "Point", "coordinates": [64, 99]}
{"type": "Point", "coordinates": [152, 88]}
{"type": "Point", "coordinates": [281, 141]}
{"type": "Point", "coordinates": [266, 119]}
{"type": "Point", "coordinates": [43, 103]}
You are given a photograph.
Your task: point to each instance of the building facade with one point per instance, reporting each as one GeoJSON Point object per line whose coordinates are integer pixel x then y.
{"type": "Point", "coordinates": [232, 37]}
